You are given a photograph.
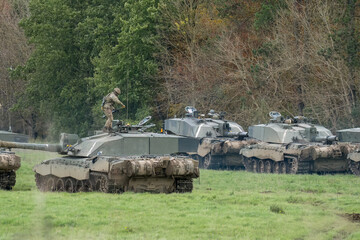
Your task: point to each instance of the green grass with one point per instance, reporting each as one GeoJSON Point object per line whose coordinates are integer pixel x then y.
{"type": "Point", "coordinates": [223, 205]}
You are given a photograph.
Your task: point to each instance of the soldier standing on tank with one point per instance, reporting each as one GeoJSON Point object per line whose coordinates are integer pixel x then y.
{"type": "Point", "coordinates": [109, 102]}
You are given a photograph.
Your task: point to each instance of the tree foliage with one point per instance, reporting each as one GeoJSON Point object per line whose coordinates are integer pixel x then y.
{"type": "Point", "coordinates": [13, 51]}
{"type": "Point", "coordinates": [130, 61]}
{"type": "Point", "coordinates": [284, 66]}
{"type": "Point", "coordinates": [82, 50]}
{"type": "Point", "coordinates": [243, 57]}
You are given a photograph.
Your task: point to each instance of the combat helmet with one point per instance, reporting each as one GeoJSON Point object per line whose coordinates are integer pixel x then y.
{"type": "Point", "coordinates": [117, 91]}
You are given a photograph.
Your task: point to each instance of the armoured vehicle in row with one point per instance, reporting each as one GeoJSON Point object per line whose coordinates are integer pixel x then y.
{"type": "Point", "coordinates": [9, 163]}
{"type": "Point", "coordinates": [218, 140]}
{"type": "Point", "coordinates": [294, 146]}
{"type": "Point", "coordinates": [352, 136]}
{"type": "Point", "coordinates": [13, 137]}
{"type": "Point", "coordinates": [125, 160]}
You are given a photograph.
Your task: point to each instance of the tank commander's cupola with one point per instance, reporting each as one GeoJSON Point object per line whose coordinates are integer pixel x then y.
{"type": "Point", "coordinates": [275, 117]}
{"type": "Point", "coordinates": [191, 112]}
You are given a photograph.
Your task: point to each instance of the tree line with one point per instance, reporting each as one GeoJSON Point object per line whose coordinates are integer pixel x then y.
{"type": "Point", "coordinates": [246, 57]}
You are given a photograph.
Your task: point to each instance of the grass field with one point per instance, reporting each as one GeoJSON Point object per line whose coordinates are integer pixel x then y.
{"type": "Point", "coordinates": [223, 205]}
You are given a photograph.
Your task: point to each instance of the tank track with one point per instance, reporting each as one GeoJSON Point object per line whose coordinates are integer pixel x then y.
{"type": "Point", "coordinates": [52, 183]}
{"type": "Point", "coordinates": [216, 162]}
{"type": "Point", "coordinates": [98, 182]}
{"type": "Point", "coordinates": [290, 165]}
{"type": "Point", "coordinates": [183, 185]}
{"type": "Point", "coordinates": [7, 180]}
{"type": "Point", "coordinates": [304, 167]}
{"type": "Point", "coordinates": [354, 167]}
{"type": "Point", "coordinates": [211, 161]}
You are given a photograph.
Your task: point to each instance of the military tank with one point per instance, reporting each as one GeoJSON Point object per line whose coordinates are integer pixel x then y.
{"type": "Point", "coordinates": [9, 163]}
{"type": "Point", "coordinates": [13, 137]}
{"type": "Point", "coordinates": [351, 137]}
{"type": "Point", "coordinates": [218, 140]}
{"type": "Point", "coordinates": [127, 159]}
{"type": "Point", "coordinates": [292, 146]}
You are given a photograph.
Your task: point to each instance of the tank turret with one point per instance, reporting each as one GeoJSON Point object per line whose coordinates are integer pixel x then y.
{"type": "Point", "coordinates": [126, 160]}
{"type": "Point", "coordinates": [297, 129]}
{"type": "Point", "coordinates": [193, 126]}
{"type": "Point", "coordinates": [64, 146]}
{"type": "Point", "coordinates": [294, 145]}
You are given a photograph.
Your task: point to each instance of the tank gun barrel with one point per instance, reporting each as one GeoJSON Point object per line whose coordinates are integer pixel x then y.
{"type": "Point", "coordinates": [236, 134]}
{"type": "Point", "coordinates": [33, 146]}
{"type": "Point", "coordinates": [328, 139]}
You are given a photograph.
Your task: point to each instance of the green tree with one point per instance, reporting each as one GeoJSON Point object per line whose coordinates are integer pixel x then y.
{"type": "Point", "coordinates": [130, 63]}
{"type": "Point", "coordinates": [75, 39]}
{"type": "Point", "coordinates": [347, 39]}
{"type": "Point", "coordinates": [55, 71]}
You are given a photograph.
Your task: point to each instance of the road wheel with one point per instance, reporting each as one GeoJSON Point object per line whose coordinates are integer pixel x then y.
{"type": "Point", "coordinates": [49, 184]}
{"type": "Point", "coordinates": [293, 166]}
{"type": "Point", "coordinates": [60, 185]}
{"type": "Point", "coordinates": [88, 186]}
{"type": "Point", "coordinates": [207, 161]}
{"type": "Point", "coordinates": [355, 167]}
{"type": "Point", "coordinates": [79, 186]}
{"type": "Point", "coordinates": [102, 184]}
{"type": "Point", "coordinates": [261, 166]}
{"type": "Point", "coordinates": [254, 165]}
{"type": "Point", "coordinates": [276, 167]}
{"type": "Point", "coordinates": [283, 168]}
{"type": "Point", "coordinates": [70, 185]}
{"type": "Point", "coordinates": [267, 167]}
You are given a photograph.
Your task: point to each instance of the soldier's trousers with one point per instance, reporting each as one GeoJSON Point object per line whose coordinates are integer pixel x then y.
{"type": "Point", "coordinates": [110, 118]}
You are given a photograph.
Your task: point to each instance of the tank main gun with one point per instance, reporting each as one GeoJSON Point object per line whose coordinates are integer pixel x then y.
{"type": "Point", "coordinates": [32, 146]}
{"type": "Point", "coordinates": [65, 145]}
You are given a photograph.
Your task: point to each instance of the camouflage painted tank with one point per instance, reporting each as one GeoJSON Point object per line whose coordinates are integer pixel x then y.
{"type": "Point", "coordinates": [218, 140]}
{"type": "Point", "coordinates": [9, 163]}
{"type": "Point", "coordinates": [352, 137]}
{"type": "Point", "coordinates": [294, 146]}
{"type": "Point", "coordinates": [125, 160]}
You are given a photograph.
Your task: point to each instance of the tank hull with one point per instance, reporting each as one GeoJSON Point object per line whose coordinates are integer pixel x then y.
{"type": "Point", "coordinates": [162, 174]}
{"type": "Point", "coordinates": [352, 137]}
{"type": "Point", "coordinates": [296, 158]}
{"type": "Point", "coordinates": [222, 154]}
{"type": "Point", "coordinates": [9, 163]}
{"type": "Point", "coordinates": [354, 159]}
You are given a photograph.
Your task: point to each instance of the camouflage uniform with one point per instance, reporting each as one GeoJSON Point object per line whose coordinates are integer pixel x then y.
{"type": "Point", "coordinates": [110, 100]}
